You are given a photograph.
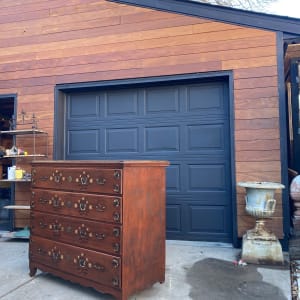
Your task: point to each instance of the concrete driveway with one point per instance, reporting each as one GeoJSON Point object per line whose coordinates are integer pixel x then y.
{"type": "Point", "coordinates": [194, 270]}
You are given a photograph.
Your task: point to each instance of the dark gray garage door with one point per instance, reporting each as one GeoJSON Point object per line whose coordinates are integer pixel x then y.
{"type": "Point", "coordinates": [187, 125]}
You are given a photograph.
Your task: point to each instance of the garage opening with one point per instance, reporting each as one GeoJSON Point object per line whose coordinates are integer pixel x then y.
{"type": "Point", "coordinates": [186, 122]}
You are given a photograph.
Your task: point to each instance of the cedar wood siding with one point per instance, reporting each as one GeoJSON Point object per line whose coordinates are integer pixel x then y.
{"type": "Point", "coordinates": [44, 43]}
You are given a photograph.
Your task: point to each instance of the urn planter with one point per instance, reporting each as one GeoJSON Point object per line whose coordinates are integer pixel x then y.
{"type": "Point", "coordinates": [260, 245]}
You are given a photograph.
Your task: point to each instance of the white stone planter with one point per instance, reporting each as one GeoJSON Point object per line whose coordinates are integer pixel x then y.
{"type": "Point", "coordinates": [260, 202]}
{"type": "Point", "coordinates": [261, 246]}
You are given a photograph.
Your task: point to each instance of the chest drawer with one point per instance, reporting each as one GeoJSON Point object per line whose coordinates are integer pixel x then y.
{"type": "Point", "coordinates": [95, 266]}
{"type": "Point", "coordinates": [99, 180]}
{"type": "Point", "coordinates": [90, 206]}
{"type": "Point", "coordinates": [88, 234]}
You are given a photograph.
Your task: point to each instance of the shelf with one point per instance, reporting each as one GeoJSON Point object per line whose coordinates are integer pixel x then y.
{"type": "Point", "coordinates": [24, 156]}
{"type": "Point", "coordinates": [23, 131]}
{"type": "Point", "coordinates": [20, 234]}
{"type": "Point", "coordinates": [26, 207]}
{"type": "Point", "coordinates": [15, 180]}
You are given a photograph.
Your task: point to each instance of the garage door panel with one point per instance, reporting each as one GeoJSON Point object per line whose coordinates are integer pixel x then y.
{"type": "Point", "coordinates": [206, 177]}
{"type": "Point", "coordinates": [121, 103]}
{"type": "Point", "coordinates": [161, 100]}
{"type": "Point", "coordinates": [205, 137]}
{"type": "Point", "coordinates": [173, 216]}
{"type": "Point", "coordinates": [173, 181]}
{"type": "Point", "coordinates": [162, 138]}
{"type": "Point", "coordinates": [120, 140]}
{"type": "Point", "coordinates": [83, 141]}
{"type": "Point", "coordinates": [206, 98]}
{"type": "Point", "coordinates": [207, 219]}
{"type": "Point", "coordinates": [192, 178]}
{"type": "Point", "coordinates": [83, 106]}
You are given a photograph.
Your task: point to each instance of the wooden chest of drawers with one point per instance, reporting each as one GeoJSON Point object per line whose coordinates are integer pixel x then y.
{"type": "Point", "coordinates": [99, 223]}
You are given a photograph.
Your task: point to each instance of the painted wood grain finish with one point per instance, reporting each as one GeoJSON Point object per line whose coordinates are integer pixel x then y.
{"type": "Point", "coordinates": [44, 43]}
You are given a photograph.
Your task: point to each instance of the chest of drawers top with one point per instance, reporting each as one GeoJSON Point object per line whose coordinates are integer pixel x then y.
{"type": "Point", "coordinates": [105, 177]}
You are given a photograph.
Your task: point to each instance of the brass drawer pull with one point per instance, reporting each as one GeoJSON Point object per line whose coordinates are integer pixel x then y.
{"type": "Point", "coordinates": [43, 201]}
{"type": "Point", "coordinates": [100, 236]}
{"type": "Point", "coordinates": [116, 202]}
{"type": "Point", "coordinates": [116, 188]}
{"type": "Point", "coordinates": [44, 178]}
{"type": "Point", "coordinates": [116, 217]}
{"type": "Point", "coordinates": [42, 225]}
{"type": "Point", "coordinates": [101, 181]}
{"type": "Point", "coordinates": [116, 247]}
{"type": "Point", "coordinates": [40, 251]}
{"type": "Point", "coordinates": [115, 263]}
{"type": "Point", "coordinates": [99, 267]}
{"type": "Point", "coordinates": [116, 232]}
{"type": "Point", "coordinates": [100, 207]}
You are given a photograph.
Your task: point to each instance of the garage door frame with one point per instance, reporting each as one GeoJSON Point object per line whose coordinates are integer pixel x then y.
{"type": "Point", "coordinates": [61, 91]}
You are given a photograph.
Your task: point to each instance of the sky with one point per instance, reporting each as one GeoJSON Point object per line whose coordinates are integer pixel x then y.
{"type": "Point", "coordinates": [290, 8]}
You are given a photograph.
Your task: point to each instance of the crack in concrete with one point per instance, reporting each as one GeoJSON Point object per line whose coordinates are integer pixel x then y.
{"type": "Point", "coordinates": [19, 286]}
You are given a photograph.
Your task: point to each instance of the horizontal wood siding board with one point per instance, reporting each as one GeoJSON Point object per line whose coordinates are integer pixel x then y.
{"type": "Point", "coordinates": [139, 60]}
{"type": "Point", "coordinates": [100, 47]}
{"type": "Point", "coordinates": [264, 123]}
{"type": "Point", "coordinates": [46, 19]}
{"type": "Point", "coordinates": [257, 103]}
{"type": "Point", "coordinates": [66, 46]}
{"type": "Point", "coordinates": [262, 167]}
{"type": "Point", "coordinates": [257, 134]}
{"type": "Point", "coordinates": [55, 25]}
{"type": "Point", "coordinates": [256, 72]}
{"type": "Point", "coordinates": [255, 155]}
{"type": "Point", "coordinates": [256, 82]}
{"type": "Point", "coordinates": [256, 93]}
{"type": "Point", "coordinates": [198, 50]}
{"type": "Point", "coordinates": [85, 41]}
{"type": "Point", "coordinates": [258, 145]}
{"type": "Point", "coordinates": [34, 15]}
{"type": "Point", "coordinates": [18, 5]}
{"type": "Point", "coordinates": [253, 113]}
{"type": "Point", "coordinates": [113, 74]}
{"type": "Point", "coordinates": [260, 176]}
{"type": "Point", "coordinates": [91, 28]}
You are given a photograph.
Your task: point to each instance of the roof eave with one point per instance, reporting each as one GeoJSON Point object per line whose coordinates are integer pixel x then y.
{"type": "Point", "coordinates": [287, 25]}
